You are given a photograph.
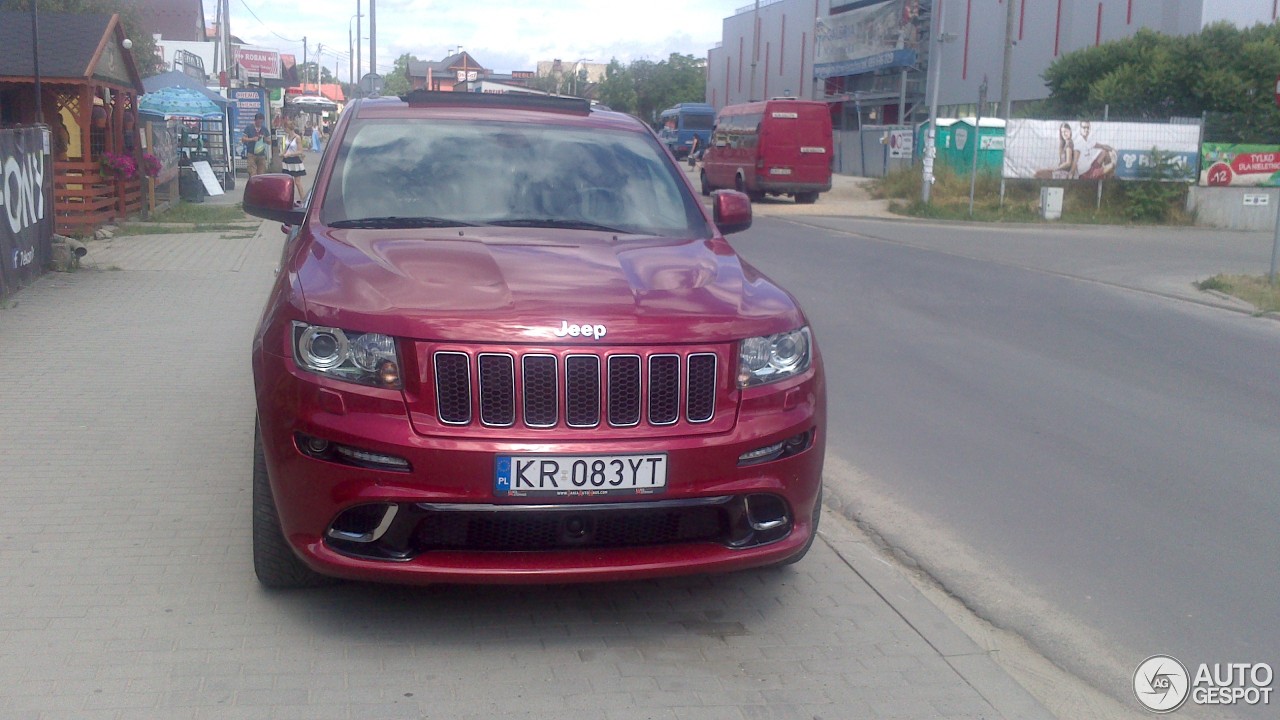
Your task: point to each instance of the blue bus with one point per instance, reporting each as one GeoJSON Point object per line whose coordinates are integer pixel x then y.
{"type": "Point", "coordinates": [680, 125]}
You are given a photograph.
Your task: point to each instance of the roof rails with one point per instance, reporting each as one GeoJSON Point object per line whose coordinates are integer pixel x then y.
{"type": "Point", "coordinates": [518, 101]}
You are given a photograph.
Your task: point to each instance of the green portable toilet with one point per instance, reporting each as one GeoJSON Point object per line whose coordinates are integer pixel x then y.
{"type": "Point", "coordinates": [955, 144]}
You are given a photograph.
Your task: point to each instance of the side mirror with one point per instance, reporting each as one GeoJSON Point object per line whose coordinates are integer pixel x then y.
{"type": "Point", "coordinates": [731, 211]}
{"type": "Point", "coordinates": [271, 197]}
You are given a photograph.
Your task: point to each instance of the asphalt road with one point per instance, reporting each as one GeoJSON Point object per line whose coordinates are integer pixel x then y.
{"type": "Point", "coordinates": [1090, 465]}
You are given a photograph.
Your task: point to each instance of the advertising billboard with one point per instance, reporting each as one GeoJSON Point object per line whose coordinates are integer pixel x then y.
{"type": "Point", "coordinates": [1085, 150]}
{"type": "Point", "coordinates": [1233, 165]}
{"type": "Point", "coordinates": [26, 206]}
{"type": "Point", "coordinates": [865, 39]}
{"type": "Point", "coordinates": [258, 63]}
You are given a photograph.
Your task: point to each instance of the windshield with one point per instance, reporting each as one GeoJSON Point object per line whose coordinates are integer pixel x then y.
{"type": "Point", "coordinates": [440, 173]}
{"type": "Point", "coordinates": [699, 122]}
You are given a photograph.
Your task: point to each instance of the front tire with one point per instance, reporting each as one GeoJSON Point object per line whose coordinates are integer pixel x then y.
{"type": "Point", "coordinates": [274, 561]}
{"type": "Point", "coordinates": [806, 198]}
{"type": "Point", "coordinates": [706, 186]}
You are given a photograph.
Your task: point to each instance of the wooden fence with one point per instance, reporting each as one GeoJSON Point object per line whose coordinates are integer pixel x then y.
{"type": "Point", "coordinates": [84, 199]}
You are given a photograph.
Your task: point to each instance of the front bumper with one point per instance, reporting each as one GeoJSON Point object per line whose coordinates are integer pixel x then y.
{"type": "Point", "coordinates": [448, 525]}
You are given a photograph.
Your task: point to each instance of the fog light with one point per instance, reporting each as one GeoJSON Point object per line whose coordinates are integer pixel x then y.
{"type": "Point", "coordinates": [322, 449]}
{"type": "Point", "coordinates": [367, 457]}
{"type": "Point", "coordinates": [766, 453]}
{"type": "Point", "coordinates": [793, 445]}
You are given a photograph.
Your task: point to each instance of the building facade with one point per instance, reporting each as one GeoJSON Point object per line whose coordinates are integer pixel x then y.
{"type": "Point", "coordinates": [870, 58]}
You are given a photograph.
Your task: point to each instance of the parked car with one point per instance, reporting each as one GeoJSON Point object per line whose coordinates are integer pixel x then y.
{"type": "Point", "coordinates": [507, 344]}
{"type": "Point", "coordinates": [776, 147]}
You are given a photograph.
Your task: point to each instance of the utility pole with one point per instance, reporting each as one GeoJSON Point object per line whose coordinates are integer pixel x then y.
{"type": "Point", "coordinates": [359, 32]}
{"type": "Point", "coordinates": [319, 52]}
{"type": "Point", "coordinates": [1010, 20]}
{"type": "Point", "coordinates": [35, 60]}
{"type": "Point", "coordinates": [935, 69]}
{"type": "Point", "coordinates": [755, 50]}
{"type": "Point", "coordinates": [373, 36]}
{"type": "Point", "coordinates": [304, 64]}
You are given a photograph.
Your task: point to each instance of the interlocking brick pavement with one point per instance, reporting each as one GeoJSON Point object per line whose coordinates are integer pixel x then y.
{"type": "Point", "coordinates": [127, 591]}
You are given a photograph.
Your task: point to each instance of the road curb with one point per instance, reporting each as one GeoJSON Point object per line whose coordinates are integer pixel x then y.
{"type": "Point", "coordinates": [977, 666]}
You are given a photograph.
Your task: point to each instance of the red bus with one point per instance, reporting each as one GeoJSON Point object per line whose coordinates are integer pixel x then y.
{"type": "Point", "coordinates": [775, 147]}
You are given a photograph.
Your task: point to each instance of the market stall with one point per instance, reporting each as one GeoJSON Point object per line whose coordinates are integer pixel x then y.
{"type": "Point", "coordinates": [203, 127]}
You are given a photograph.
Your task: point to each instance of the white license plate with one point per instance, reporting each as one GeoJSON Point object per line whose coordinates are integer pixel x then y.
{"type": "Point", "coordinates": [779, 171]}
{"type": "Point", "coordinates": [579, 475]}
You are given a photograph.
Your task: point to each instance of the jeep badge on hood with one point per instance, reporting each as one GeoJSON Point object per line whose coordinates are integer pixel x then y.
{"type": "Point", "coordinates": [583, 330]}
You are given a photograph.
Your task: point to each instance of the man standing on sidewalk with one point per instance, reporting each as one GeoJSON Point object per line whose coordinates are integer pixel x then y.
{"type": "Point", "coordinates": [255, 146]}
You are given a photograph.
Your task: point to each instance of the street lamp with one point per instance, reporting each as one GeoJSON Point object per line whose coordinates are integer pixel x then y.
{"type": "Point", "coordinates": [576, 70]}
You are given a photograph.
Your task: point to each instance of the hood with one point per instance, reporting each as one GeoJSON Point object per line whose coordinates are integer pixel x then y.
{"type": "Point", "coordinates": [509, 285]}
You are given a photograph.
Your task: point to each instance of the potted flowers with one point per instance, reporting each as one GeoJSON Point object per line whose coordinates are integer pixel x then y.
{"type": "Point", "coordinates": [122, 166]}
{"type": "Point", "coordinates": [150, 165]}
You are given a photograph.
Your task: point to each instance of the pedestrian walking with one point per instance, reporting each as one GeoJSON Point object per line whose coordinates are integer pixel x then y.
{"type": "Point", "coordinates": [291, 159]}
{"type": "Point", "coordinates": [255, 146]}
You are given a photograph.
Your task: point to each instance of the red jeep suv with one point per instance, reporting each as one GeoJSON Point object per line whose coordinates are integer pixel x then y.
{"type": "Point", "coordinates": [507, 344]}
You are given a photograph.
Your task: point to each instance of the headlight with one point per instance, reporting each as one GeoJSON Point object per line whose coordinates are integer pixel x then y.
{"type": "Point", "coordinates": [775, 357]}
{"type": "Point", "coordinates": [364, 358]}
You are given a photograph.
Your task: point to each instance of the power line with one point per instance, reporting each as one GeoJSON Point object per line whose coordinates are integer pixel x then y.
{"type": "Point", "coordinates": [273, 32]}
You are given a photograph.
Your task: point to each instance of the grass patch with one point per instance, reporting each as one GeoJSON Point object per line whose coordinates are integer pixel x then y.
{"type": "Point", "coordinates": [200, 213]}
{"type": "Point", "coordinates": [149, 229]}
{"type": "Point", "coordinates": [1253, 289]}
{"type": "Point", "coordinates": [949, 199]}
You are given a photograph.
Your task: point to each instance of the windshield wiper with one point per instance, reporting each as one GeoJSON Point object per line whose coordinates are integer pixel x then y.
{"type": "Point", "coordinates": [394, 221]}
{"type": "Point", "coordinates": [558, 223]}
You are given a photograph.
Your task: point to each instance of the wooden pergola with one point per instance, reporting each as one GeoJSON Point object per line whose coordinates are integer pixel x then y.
{"type": "Point", "coordinates": [89, 90]}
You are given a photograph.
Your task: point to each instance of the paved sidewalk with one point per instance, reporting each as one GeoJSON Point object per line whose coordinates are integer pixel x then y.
{"type": "Point", "coordinates": [126, 587]}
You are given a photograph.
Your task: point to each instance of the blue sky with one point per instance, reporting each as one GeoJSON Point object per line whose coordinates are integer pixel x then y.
{"type": "Point", "coordinates": [502, 35]}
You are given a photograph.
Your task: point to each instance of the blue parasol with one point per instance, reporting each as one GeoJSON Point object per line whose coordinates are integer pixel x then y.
{"type": "Point", "coordinates": [179, 102]}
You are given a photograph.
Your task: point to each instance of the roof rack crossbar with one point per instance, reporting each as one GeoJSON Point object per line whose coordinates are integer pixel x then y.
{"type": "Point", "coordinates": [522, 101]}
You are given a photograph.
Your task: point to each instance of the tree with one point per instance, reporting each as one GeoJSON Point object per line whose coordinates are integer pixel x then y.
{"type": "Point", "coordinates": [1223, 70]}
{"type": "Point", "coordinates": [617, 90]}
{"type": "Point", "coordinates": [397, 81]}
{"type": "Point", "coordinates": [645, 88]}
{"type": "Point", "coordinates": [144, 46]}
{"type": "Point", "coordinates": [307, 73]}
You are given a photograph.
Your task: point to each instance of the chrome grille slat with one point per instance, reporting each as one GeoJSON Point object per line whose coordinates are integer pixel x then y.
{"type": "Point", "coordinates": [624, 390]}
{"type": "Point", "coordinates": [664, 389]}
{"type": "Point", "coordinates": [614, 390]}
{"type": "Point", "coordinates": [700, 400]}
{"type": "Point", "coordinates": [453, 387]}
{"type": "Point", "coordinates": [582, 391]}
{"type": "Point", "coordinates": [497, 390]}
{"type": "Point", "coordinates": [541, 391]}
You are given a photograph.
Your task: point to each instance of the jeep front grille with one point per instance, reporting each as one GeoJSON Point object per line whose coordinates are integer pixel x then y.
{"type": "Point", "coordinates": [576, 390]}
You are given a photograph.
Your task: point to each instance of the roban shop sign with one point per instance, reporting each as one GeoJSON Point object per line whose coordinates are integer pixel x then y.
{"type": "Point", "coordinates": [26, 206]}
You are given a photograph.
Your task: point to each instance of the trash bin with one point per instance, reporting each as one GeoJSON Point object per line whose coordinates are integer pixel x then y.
{"type": "Point", "coordinates": [1051, 203]}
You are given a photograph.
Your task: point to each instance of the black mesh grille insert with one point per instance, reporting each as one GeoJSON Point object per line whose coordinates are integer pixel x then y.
{"type": "Point", "coordinates": [582, 390]}
{"type": "Point", "coordinates": [497, 390]}
{"type": "Point", "coordinates": [664, 389]}
{"type": "Point", "coordinates": [516, 531]}
{"type": "Point", "coordinates": [540, 396]}
{"type": "Point", "coordinates": [701, 403]}
{"type": "Point", "coordinates": [453, 387]}
{"type": "Point", "coordinates": [624, 390]}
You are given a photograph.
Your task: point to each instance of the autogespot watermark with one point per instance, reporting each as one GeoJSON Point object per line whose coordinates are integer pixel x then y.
{"type": "Point", "coordinates": [1162, 684]}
